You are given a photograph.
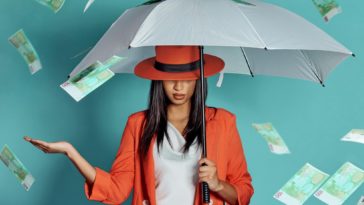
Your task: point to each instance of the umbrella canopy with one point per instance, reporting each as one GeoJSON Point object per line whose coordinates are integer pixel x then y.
{"type": "Point", "coordinates": [253, 38]}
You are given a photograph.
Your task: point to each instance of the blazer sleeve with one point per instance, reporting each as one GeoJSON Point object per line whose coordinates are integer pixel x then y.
{"type": "Point", "coordinates": [114, 187]}
{"type": "Point", "coordinates": [237, 171]}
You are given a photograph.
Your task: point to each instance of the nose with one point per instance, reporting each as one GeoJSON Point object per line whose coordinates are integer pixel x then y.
{"type": "Point", "coordinates": [178, 85]}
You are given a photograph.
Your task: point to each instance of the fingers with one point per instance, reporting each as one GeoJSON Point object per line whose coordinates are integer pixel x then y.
{"type": "Point", "coordinates": [206, 165]}
{"type": "Point", "coordinates": [206, 161]}
{"type": "Point", "coordinates": [206, 169]}
{"type": "Point", "coordinates": [44, 146]}
{"type": "Point", "coordinates": [44, 149]}
{"type": "Point", "coordinates": [36, 142]}
{"type": "Point", "coordinates": [33, 141]}
{"type": "Point", "coordinates": [204, 174]}
{"type": "Point", "coordinates": [41, 147]}
{"type": "Point", "coordinates": [26, 138]}
{"type": "Point", "coordinates": [204, 179]}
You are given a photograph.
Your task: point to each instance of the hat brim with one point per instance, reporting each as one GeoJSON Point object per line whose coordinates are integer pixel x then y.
{"type": "Point", "coordinates": [145, 69]}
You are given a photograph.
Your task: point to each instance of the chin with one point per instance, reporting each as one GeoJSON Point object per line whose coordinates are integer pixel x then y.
{"type": "Point", "coordinates": [178, 102]}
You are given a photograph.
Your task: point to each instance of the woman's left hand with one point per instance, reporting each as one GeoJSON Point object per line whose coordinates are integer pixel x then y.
{"type": "Point", "coordinates": [208, 173]}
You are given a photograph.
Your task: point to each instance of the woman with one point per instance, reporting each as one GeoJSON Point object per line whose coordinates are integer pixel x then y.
{"type": "Point", "coordinates": [160, 150]}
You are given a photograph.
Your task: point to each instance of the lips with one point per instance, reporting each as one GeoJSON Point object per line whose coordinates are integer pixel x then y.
{"type": "Point", "coordinates": [178, 96]}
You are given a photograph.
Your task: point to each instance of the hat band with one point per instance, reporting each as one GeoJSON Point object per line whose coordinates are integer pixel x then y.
{"type": "Point", "coordinates": [175, 68]}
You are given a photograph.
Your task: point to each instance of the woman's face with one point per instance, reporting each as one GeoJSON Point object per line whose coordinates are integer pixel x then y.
{"type": "Point", "coordinates": [179, 91]}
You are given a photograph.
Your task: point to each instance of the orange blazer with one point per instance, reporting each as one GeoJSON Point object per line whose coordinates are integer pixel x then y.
{"type": "Point", "coordinates": [224, 147]}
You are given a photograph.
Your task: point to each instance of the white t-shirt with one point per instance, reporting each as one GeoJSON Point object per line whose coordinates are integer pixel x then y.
{"type": "Point", "coordinates": [176, 174]}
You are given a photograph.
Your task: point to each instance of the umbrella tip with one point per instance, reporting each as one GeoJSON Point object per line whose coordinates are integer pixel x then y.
{"type": "Point", "coordinates": [68, 76]}
{"type": "Point", "coordinates": [129, 47]}
{"type": "Point", "coordinates": [265, 48]}
{"type": "Point", "coordinates": [323, 85]}
{"type": "Point", "coordinates": [353, 54]}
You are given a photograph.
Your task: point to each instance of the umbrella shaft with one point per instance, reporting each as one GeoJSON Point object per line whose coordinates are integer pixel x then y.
{"type": "Point", "coordinates": [204, 186]}
{"type": "Point", "coordinates": [203, 126]}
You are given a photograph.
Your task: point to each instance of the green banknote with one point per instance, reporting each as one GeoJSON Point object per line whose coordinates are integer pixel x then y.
{"type": "Point", "coordinates": [327, 8]}
{"type": "Point", "coordinates": [274, 140]}
{"type": "Point", "coordinates": [341, 185]}
{"type": "Point", "coordinates": [55, 5]}
{"type": "Point", "coordinates": [91, 78]}
{"type": "Point", "coordinates": [301, 186]}
{"type": "Point", "coordinates": [16, 167]}
{"type": "Point", "coordinates": [20, 41]}
{"type": "Point", "coordinates": [355, 135]}
{"type": "Point", "coordinates": [113, 61]}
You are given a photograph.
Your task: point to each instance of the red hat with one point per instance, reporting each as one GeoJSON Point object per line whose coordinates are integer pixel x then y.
{"type": "Point", "coordinates": [177, 63]}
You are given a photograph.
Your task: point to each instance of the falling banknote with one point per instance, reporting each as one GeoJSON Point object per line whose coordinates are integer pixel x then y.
{"type": "Point", "coordinates": [91, 78]}
{"type": "Point", "coordinates": [16, 167]}
{"type": "Point", "coordinates": [361, 201]}
{"type": "Point", "coordinates": [301, 186]}
{"type": "Point", "coordinates": [327, 8]}
{"type": "Point", "coordinates": [20, 41]}
{"type": "Point", "coordinates": [274, 140]}
{"type": "Point", "coordinates": [113, 61]}
{"type": "Point", "coordinates": [354, 135]}
{"type": "Point", "coordinates": [55, 5]}
{"type": "Point", "coordinates": [341, 185]}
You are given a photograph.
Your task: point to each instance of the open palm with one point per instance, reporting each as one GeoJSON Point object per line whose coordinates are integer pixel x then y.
{"type": "Point", "coordinates": [49, 147]}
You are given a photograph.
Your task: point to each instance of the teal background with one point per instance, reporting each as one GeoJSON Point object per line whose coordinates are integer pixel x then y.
{"type": "Point", "coordinates": [310, 118]}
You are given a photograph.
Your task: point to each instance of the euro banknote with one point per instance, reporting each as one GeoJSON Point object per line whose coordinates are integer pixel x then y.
{"type": "Point", "coordinates": [91, 78]}
{"type": "Point", "coordinates": [301, 186]}
{"type": "Point", "coordinates": [20, 41]}
{"type": "Point", "coordinates": [355, 135]}
{"type": "Point", "coordinates": [87, 81]}
{"type": "Point", "coordinates": [55, 5]}
{"type": "Point", "coordinates": [341, 185]}
{"type": "Point", "coordinates": [327, 8]}
{"type": "Point", "coordinates": [16, 167]}
{"type": "Point", "coordinates": [275, 141]}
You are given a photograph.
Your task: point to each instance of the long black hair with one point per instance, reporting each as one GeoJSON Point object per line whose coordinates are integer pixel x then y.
{"type": "Point", "coordinates": [156, 117]}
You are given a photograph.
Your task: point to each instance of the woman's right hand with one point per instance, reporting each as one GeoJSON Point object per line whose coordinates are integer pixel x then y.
{"type": "Point", "coordinates": [50, 147]}
{"type": "Point", "coordinates": [85, 168]}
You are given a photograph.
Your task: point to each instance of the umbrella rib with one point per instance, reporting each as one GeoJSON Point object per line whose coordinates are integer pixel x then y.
{"type": "Point", "coordinates": [310, 64]}
{"type": "Point", "coordinates": [247, 62]}
{"type": "Point", "coordinates": [251, 25]}
{"type": "Point", "coordinates": [156, 4]}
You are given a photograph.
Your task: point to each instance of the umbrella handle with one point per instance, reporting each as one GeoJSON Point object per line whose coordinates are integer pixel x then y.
{"type": "Point", "coordinates": [205, 193]}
